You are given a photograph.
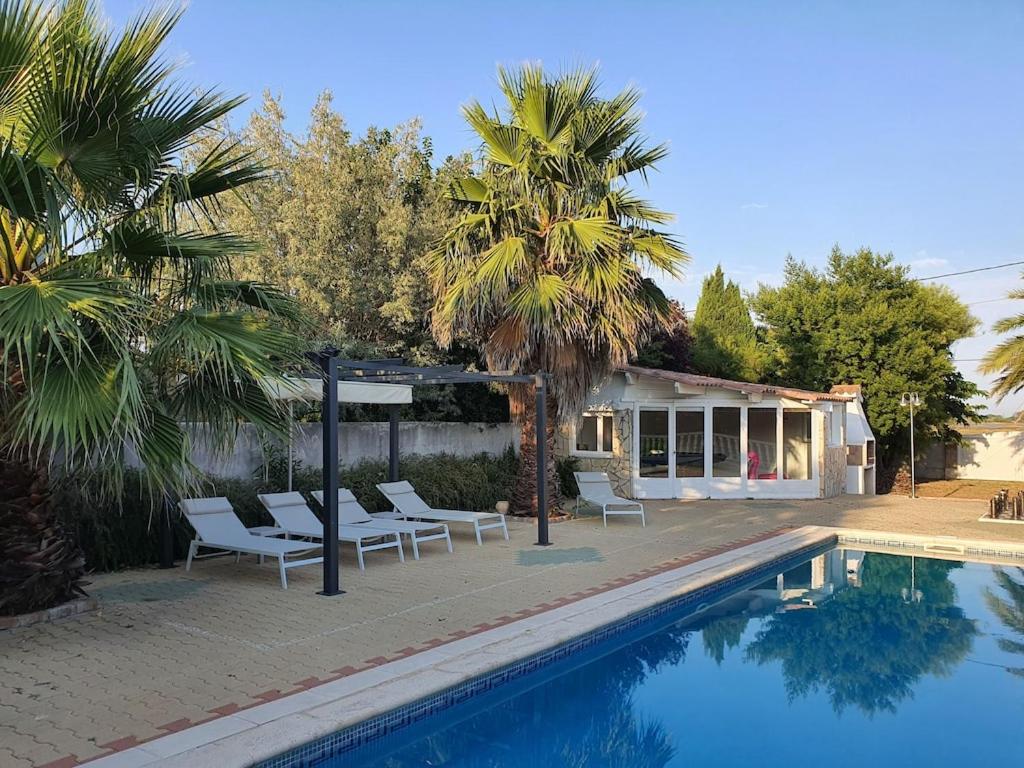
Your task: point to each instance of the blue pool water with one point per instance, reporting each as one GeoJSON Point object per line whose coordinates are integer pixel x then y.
{"type": "Point", "coordinates": [858, 660]}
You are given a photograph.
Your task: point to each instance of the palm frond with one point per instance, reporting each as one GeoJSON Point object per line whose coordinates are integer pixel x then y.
{"type": "Point", "coordinates": [545, 265]}
{"type": "Point", "coordinates": [59, 317]}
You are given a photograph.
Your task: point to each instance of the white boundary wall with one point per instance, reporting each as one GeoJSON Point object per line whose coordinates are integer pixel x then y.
{"type": "Point", "coordinates": [995, 455]}
{"type": "Point", "coordinates": [358, 441]}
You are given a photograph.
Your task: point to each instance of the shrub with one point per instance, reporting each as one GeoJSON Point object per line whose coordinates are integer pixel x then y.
{"type": "Point", "coordinates": [123, 534]}
{"type": "Point", "coordinates": [565, 467]}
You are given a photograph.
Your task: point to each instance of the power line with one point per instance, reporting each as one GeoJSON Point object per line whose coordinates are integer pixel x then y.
{"type": "Point", "coordinates": [988, 301]}
{"type": "Point", "coordinates": [971, 271]}
{"type": "Point", "coordinates": [947, 274]}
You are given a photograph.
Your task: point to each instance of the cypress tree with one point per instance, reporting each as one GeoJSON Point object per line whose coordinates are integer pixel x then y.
{"type": "Point", "coordinates": [724, 338]}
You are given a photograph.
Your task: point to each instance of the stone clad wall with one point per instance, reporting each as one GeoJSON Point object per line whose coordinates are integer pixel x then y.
{"type": "Point", "coordinates": [616, 466]}
{"type": "Point", "coordinates": [833, 476]}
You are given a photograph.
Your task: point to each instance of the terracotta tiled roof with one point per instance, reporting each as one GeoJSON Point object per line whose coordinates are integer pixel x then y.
{"type": "Point", "coordinates": [746, 387]}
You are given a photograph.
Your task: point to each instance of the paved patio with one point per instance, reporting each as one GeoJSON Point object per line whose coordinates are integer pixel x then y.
{"type": "Point", "coordinates": [168, 649]}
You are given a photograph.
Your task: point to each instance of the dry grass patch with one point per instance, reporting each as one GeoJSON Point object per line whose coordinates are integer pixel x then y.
{"type": "Point", "coordinates": [966, 489]}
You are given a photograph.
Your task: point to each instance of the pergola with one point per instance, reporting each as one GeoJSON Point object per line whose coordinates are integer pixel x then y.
{"type": "Point", "coordinates": [347, 380]}
{"type": "Point", "coordinates": [309, 390]}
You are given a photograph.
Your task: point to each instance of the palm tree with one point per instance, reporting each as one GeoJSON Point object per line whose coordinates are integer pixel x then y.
{"type": "Point", "coordinates": [118, 316]}
{"type": "Point", "coordinates": [1007, 358]}
{"type": "Point", "coordinates": [545, 269]}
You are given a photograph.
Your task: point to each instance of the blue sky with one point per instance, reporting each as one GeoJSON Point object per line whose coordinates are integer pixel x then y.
{"type": "Point", "coordinates": [793, 126]}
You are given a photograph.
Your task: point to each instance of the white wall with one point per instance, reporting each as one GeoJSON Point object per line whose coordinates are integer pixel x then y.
{"type": "Point", "coordinates": [991, 456]}
{"type": "Point", "coordinates": [358, 441]}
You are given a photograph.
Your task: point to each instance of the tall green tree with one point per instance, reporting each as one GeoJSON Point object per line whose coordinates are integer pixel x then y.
{"type": "Point", "coordinates": [724, 338]}
{"type": "Point", "coordinates": [671, 345]}
{"type": "Point", "coordinates": [119, 316]}
{"type": "Point", "coordinates": [863, 320]}
{"type": "Point", "coordinates": [343, 223]}
{"type": "Point", "coordinates": [545, 269]}
{"type": "Point", "coordinates": [1006, 360]}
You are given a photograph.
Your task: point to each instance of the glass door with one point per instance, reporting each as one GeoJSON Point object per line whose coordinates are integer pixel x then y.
{"type": "Point", "coordinates": [655, 454]}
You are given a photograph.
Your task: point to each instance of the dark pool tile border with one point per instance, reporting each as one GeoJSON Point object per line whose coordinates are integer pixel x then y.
{"type": "Point", "coordinates": [916, 543]}
{"type": "Point", "coordinates": [361, 734]}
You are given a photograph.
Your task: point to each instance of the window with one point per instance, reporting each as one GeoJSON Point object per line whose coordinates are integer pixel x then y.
{"type": "Point", "coordinates": [762, 444]}
{"type": "Point", "coordinates": [654, 443]}
{"type": "Point", "coordinates": [690, 443]}
{"type": "Point", "coordinates": [594, 434]}
{"type": "Point", "coordinates": [725, 442]}
{"type": "Point", "coordinates": [796, 441]}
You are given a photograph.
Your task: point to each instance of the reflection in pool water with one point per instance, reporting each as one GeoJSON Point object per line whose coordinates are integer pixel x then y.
{"type": "Point", "coordinates": [851, 659]}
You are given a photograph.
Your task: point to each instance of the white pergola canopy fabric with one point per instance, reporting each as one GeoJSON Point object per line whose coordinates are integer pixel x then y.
{"type": "Point", "coordinates": [294, 389]}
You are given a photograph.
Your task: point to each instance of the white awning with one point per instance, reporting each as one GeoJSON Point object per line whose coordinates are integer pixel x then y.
{"type": "Point", "coordinates": [311, 390]}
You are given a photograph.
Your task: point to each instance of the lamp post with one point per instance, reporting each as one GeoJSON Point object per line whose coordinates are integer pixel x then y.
{"type": "Point", "coordinates": [913, 594]}
{"type": "Point", "coordinates": [912, 401]}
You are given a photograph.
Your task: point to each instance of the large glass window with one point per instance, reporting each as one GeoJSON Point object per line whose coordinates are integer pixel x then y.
{"type": "Point", "coordinates": [594, 434]}
{"type": "Point", "coordinates": [796, 441]}
{"type": "Point", "coordinates": [762, 444]}
{"type": "Point", "coordinates": [690, 443]}
{"type": "Point", "coordinates": [725, 442]}
{"type": "Point", "coordinates": [653, 443]}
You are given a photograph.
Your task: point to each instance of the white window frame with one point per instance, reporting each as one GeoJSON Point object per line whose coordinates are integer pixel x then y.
{"type": "Point", "coordinates": [599, 415]}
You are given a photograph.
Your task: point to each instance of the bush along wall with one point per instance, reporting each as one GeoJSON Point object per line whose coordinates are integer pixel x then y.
{"type": "Point", "coordinates": [118, 534]}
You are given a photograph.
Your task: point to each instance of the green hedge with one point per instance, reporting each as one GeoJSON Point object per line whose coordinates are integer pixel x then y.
{"type": "Point", "coordinates": [117, 535]}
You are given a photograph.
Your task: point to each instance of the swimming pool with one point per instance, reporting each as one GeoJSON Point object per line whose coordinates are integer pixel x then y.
{"type": "Point", "coordinates": [847, 659]}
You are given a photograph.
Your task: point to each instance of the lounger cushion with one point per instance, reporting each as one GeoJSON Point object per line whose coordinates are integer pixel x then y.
{"type": "Point", "coordinates": [210, 506]}
{"type": "Point", "coordinates": [288, 499]}
{"type": "Point", "coordinates": [404, 496]}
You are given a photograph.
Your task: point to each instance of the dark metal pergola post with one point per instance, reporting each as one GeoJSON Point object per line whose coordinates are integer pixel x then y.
{"type": "Point", "coordinates": [329, 420]}
{"type": "Point", "coordinates": [393, 454]}
{"type": "Point", "coordinates": [541, 424]}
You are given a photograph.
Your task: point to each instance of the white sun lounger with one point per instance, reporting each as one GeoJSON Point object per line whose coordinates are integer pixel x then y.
{"type": "Point", "coordinates": [294, 517]}
{"type": "Point", "coordinates": [596, 488]}
{"type": "Point", "coordinates": [408, 504]}
{"type": "Point", "coordinates": [217, 527]}
{"type": "Point", "coordinates": [351, 512]}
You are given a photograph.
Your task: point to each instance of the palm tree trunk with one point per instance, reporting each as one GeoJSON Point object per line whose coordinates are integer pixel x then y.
{"type": "Point", "coordinates": [40, 565]}
{"type": "Point", "coordinates": [522, 405]}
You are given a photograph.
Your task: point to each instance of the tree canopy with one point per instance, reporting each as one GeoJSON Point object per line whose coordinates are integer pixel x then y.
{"type": "Point", "coordinates": [343, 224]}
{"type": "Point", "coordinates": [866, 647]}
{"type": "Point", "coordinates": [671, 346]}
{"type": "Point", "coordinates": [724, 338]}
{"type": "Point", "coordinates": [863, 320]}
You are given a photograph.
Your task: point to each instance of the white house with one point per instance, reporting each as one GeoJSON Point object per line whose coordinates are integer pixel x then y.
{"type": "Point", "coordinates": [667, 435]}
